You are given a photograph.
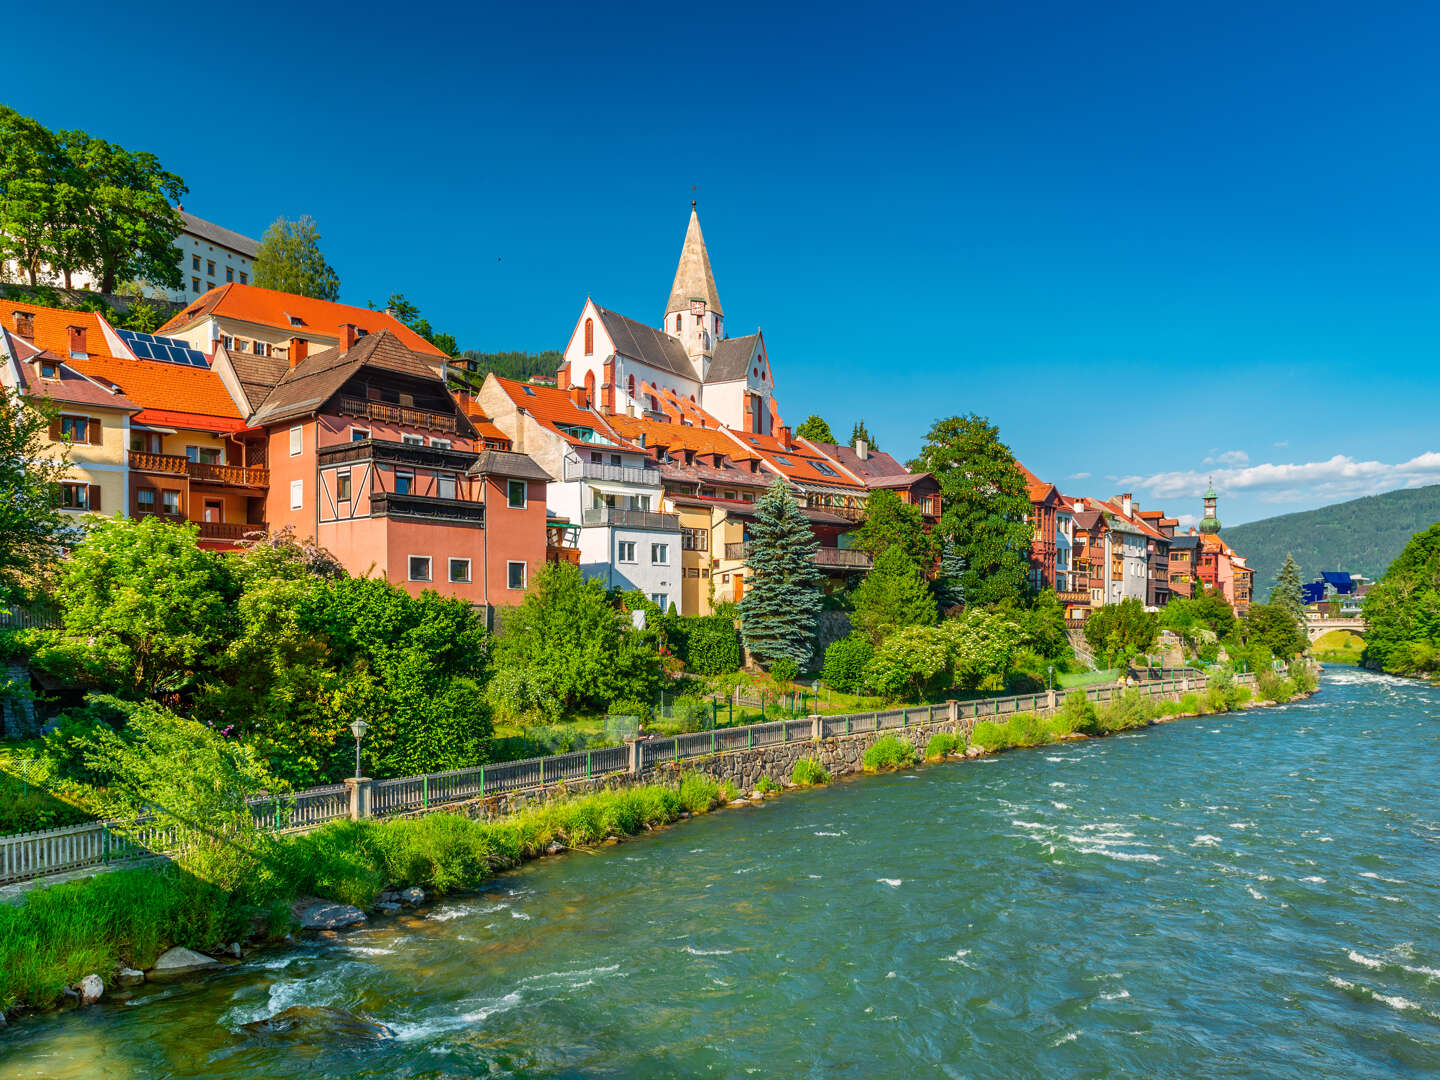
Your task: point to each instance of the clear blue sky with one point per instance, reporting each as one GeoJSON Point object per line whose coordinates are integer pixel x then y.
{"type": "Point", "coordinates": [1150, 241]}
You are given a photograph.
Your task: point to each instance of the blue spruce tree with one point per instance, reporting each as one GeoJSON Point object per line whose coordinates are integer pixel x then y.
{"type": "Point", "coordinates": [782, 587]}
{"type": "Point", "coordinates": [950, 580]}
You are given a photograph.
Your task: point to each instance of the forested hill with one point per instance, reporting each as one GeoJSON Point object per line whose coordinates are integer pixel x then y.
{"type": "Point", "coordinates": [1362, 536]}
{"type": "Point", "coordinates": [511, 365]}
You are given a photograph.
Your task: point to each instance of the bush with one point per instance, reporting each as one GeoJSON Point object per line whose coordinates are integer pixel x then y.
{"type": "Point", "coordinates": [766, 786]}
{"type": "Point", "coordinates": [784, 670]}
{"type": "Point", "coordinates": [845, 663]}
{"type": "Point", "coordinates": [712, 645]}
{"type": "Point", "coordinates": [941, 745]}
{"type": "Point", "coordinates": [1131, 709]}
{"type": "Point", "coordinates": [1190, 703]}
{"type": "Point", "coordinates": [809, 772]}
{"type": "Point", "coordinates": [1274, 687]}
{"type": "Point", "coordinates": [889, 752]}
{"type": "Point", "coordinates": [1304, 677]}
{"type": "Point", "coordinates": [988, 735]}
{"type": "Point", "coordinates": [1075, 716]}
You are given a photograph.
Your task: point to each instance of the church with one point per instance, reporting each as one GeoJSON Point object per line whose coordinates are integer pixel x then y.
{"type": "Point", "coordinates": [687, 371]}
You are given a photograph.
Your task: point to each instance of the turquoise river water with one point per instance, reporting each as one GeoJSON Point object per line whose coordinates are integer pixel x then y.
{"type": "Point", "coordinates": [1247, 895]}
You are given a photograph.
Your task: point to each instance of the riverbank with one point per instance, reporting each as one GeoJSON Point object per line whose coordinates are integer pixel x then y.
{"type": "Point", "coordinates": [126, 919]}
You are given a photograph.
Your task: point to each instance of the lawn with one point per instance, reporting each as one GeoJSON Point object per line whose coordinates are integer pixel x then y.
{"type": "Point", "coordinates": [1338, 647]}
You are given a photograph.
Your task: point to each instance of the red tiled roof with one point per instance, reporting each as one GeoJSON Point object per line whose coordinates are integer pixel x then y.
{"type": "Point", "coordinates": [801, 460]}
{"type": "Point", "coordinates": [551, 407]}
{"type": "Point", "coordinates": [71, 387]}
{"type": "Point", "coordinates": [52, 328]}
{"type": "Point", "coordinates": [267, 307]}
{"type": "Point", "coordinates": [190, 421]}
{"type": "Point", "coordinates": [154, 384]}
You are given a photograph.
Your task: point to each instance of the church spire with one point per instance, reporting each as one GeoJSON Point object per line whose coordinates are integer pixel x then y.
{"type": "Point", "coordinates": [693, 279]}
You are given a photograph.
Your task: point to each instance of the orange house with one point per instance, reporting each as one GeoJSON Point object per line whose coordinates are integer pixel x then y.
{"type": "Point", "coordinates": [371, 455]}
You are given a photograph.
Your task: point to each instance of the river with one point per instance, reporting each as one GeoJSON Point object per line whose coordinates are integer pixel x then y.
{"type": "Point", "coordinates": [1245, 895]}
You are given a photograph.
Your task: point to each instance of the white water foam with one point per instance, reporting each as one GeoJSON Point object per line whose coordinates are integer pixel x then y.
{"type": "Point", "coordinates": [1205, 840]}
{"type": "Point", "coordinates": [707, 952]}
{"type": "Point", "coordinates": [1314, 879]}
{"type": "Point", "coordinates": [893, 882]}
{"type": "Point", "coordinates": [1069, 1036]}
{"type": "Point", "coordinates": [1378, 877]}
{"type": "Point", "coordinates": [1119, 996]}
{"type": "Point", "coordinates": [422, 1029]}
{"type": "Point", "coordinates": [841, 833]}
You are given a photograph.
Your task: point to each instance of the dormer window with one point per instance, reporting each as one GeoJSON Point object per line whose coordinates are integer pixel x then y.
{"type": "Point", "coordinates": [295, 320]}
{"type": "Point", "coordinates": [49, 369]}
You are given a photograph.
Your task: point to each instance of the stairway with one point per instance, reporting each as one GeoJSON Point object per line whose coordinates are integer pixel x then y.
{"type": "Point", "coordinates": [1081, 648]}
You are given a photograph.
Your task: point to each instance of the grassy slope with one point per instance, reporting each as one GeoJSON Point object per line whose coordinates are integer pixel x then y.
{"type": "Point", "coordinates": [1361, 536]}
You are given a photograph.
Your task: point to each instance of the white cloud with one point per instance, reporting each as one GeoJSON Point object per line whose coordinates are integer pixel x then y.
{"type": "Point", "coordinates": [1341, 477]}
{"type": "Point", "coordinates": [1187, 521]}
{"type": "Point", "coordinates": [1078, 476]}
{"type": "Point", "coordinates": [1229, 457]}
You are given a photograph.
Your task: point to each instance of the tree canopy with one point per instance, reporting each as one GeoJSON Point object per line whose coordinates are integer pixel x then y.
{"type": "Point", "coordinates": [1121, 631]}
{"type": "Point", "coordinates": [986, 508]}
{"type": "Point", "coordinates": [409, 314]}
{"type": "Point", "coordinates": [782, 584]}
{"type": "Point", "coordinates": [816, 430]}
{"type": "Point", "coordinates": [290, 260]}
{"type": "Point", "coordinates": [890, 522]}
{"type": "Point", "coordinates": [893, 595]}
{"type": "Point", "coordinates": [1288, 592]}
{"type": "Point", "coordinates": [859, 431]}
{"type": "Point", "coordinates": [1402, 611]}
{"type": "Point", "coordinates": [31, 523]}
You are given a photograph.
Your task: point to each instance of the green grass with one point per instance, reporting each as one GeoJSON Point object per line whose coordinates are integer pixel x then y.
{"type": "Point", "coordinates": [941, 745]}
{"type": "Point", "coordinates": [888, 752]}
{"type": "Point", "coordinates": [1086, 678]}
{"type": "Point", "coordinates": [809, 772]}
{"type": "Point", "coordinates": [1338, 647]}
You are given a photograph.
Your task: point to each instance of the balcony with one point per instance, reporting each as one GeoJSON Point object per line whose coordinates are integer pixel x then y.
{"type": "Point", "coordinates": [851, 511]}
{"type": "Point", "coordinates": [619, 517]}
{"type": "Point", "coordinates": [399, 415]}
{"type": "Point", "coordinates": [623, 474]}
{"type": "Point", "coordinates": [200, 471]}
{"type": "Point", "coordinates": [1079, 596]}
{"type": "Point", "coordinates": [396, 453]}
{"type": "Point", "coordinates": [427, 508]}
{"type": "Point", "coordinates": [829, 557]}
{"type": "Point", "coordinates": [230, 531]}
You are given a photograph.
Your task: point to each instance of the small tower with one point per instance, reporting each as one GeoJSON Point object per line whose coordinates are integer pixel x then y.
{"type": "Point", "coordinates": [1210, 523]}
{"type": "Point", "coordinates": [693, 313]}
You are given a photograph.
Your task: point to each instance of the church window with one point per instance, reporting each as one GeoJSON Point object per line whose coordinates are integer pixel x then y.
{"type": "Point", "coordinates": [677, 322]}
{"type": "Point", "coordinates": [630, 387]}
{"type": "Point", "coordinates": [589, 337]}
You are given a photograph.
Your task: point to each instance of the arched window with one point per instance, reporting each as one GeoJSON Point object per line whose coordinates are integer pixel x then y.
{"type": "Point", "coordinates": [590, 388]}
{"type": "Point", "coordinates": [630, 387]}
{"type": "Point", "coordinates": [589, 337]}
{"type": "Point", "coordinates": [677, 322]}
{"type": "Point", "coordinates": [654, 403]}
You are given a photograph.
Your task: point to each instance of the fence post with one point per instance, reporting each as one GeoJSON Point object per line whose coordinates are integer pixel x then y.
{"type": "Point", "coordinates": [425, 791]}
{"type": "Point", "coordinates": [361, 790]}
{"type": "Point", "coordinates": [634, 757]}
{"type": "Point", "coordinates": [816, 728]}
{"type": "Point", "coordinates": [952, 714]}
{"type": "Point", "coordinates": [1050, 699]}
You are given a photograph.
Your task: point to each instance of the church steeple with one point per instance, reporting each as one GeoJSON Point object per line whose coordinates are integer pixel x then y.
{"type": "Point", "coordinates": [1210, 523]}
{"type": "Point", "coordinates": [694, 314]}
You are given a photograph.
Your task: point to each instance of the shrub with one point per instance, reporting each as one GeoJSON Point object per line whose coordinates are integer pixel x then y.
{"type": "Point", "coordinates": [1190, 703]}
{"type": "Point", "coordinates": [693, 714]}
{"type": "Point", "coordinates": [1274, 687]}
{"type": "Point", "coordinates": [1076, 715]}
{"type": "Point", "coordinates": [766, 786]}
{"type": "Point", "coordinates": [809, 772]}
{"type": "Point", "coordinates": [889, 752]}
{"type": "Point", "coordinates": [941, 745]}
{"type": "Point", "coordinates": [784, 669]}
{"type": "Point", "coordinates": [1027, 729]}
{"type": "Point", "coordinates": [1131, 709]}
{"type": "Point", "coordinates": [712, 645]}
{"type": "Point", "coordinates": [989, 735]}
{"type": "Point", "coordinates": [845, 663]}
{"type": "Point", "coordinates": [1304, 677]}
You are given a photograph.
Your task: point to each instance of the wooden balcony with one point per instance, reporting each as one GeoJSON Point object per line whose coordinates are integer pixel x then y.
{"type": "Point", "coordinates": [851, 511]}
{"type": "Point", "coordinates": [427, 508]}
{"type": "Point", "coordinates": [230, 531]}
{"type": "Point", "coordinates": [200, 471]}
{"type": "Point", "coordinates": [827, 557]}
{"type": "Point", "coordinates": [399, 415]}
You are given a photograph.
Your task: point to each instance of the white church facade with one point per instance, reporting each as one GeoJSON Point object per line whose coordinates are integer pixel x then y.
{"type": "Point", "coordinates": [686, 371]}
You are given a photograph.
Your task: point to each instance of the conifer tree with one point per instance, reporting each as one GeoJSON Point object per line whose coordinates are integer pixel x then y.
{"type": "Point", "coordinates": [893, 595]}
{"type": "Point", "coordinates": [860, 431]}
{"type": "Point", "coordinates": [782, 587]}
{"type": "Point", "coordinates": [950, 580]}
{"type": "Point", "coordinates": [1288, 591]}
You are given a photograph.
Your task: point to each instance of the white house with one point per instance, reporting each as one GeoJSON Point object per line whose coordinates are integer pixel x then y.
{"type": "Point", "coordinates": [628, 367]}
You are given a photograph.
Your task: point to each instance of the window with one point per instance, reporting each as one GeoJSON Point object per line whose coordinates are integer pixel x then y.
{"type": "Point", "coordinates": [210, 267]}
{"type": "Point", "coordinates": [297, 494]}
{"type": "Point", "coordinates": [229, 273]}
{"type": "Point", "coordinates": [170, 502]}
{"type": "Point", "coordinates": [412, 440]}
{"type": "Point", "coordinates": [227, 341]}
{"type": "Point", "coordinates": [597, 459]}
{"type": "Point", "coordinates": [695, 539]}
{"type": "Point", "coordinates": [244, 278]}
{"type": "Point", "coordinates": [614, 459]}
{"type": "Point", "coordinates": [515, 493]}
{"type": "Point", "coordinates": [342, 486]}
{"type": "Point", "coordinates": [214, 511]}
{"type": "Point", "coordinates": [404, 483]}
{"type": "Point", "coordinates": [295, 320]}
{"type": "Point", "coordinates": [445, 486]}
{"type": "Point", "coordinates": [824, 469]}
{"type": "Point", "coordinates": [49, 370]}
{"type": "Point", "coordinates": [443, 444]}
{"type": "Point", "coordinates": [194, 262]}
{"type": "Point", "coordinates": [625, 551]}
{"type": "Point", "coordinates": [460, 570]}
{"type": "Point", "coordinates": [262, 349]}
{"type": "Point", "coordinates": [589, 337]}
{"type": "Point", "coordinates": [241, 345]}
{"type": "Point", "coordinates": [515, 575]}
{"type": "Point", "coordinates": [660, 554]}
{"type": "Point", "coordinates": [419, 567]}
{"type": "Point", "coordinates": [75, 496]}
{"type": "Point", "coordinates": [677, 319]}
{"type": "Point", "coordinates": [783, 460]}
{"type": "Point", "coordinates": [75, 429]}
{"type": "Point", "coordinates": [145, 500]}
{"type": "Point", "coordinates": [204, 455]}
{"type": "Point", "coordinates": [195, 283]}
{"type": "Point", "coordinates": [660, 600]}
{"type": "Point", "coordinates": [297, 435]}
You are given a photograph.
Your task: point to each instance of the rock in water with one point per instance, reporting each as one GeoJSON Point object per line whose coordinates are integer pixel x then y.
{"type": "Point", "coordinates": [130, 977]}
{"type": "Point", "coordinates": [306, 1023]}
{"type": "Point", "coordinates": [413, 896]}
{"type": "Point", "coordinates": [386, 907]}
{"type": "Point", "coordinates": [330, 917]}
{"type": "Point", "coordinates": [91, 987]}
{"type": "Point", "coordinates": [181, 961]}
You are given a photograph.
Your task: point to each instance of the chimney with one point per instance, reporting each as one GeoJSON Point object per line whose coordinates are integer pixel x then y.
{"type": "Point", "coordinates": [862, 449]}
{"type": "Point", "coordinates": [577, 395]}
{"type": "Point", "coordinates": [1127, 504]}
{"type": "Point", "coordinates": [25, 325]}
{"type": "Point", "coordinates": [299, 349]}
{"type": "Point", "coordinates": [77, 341]}
{"type": "Point", "coordinates": [348, 337]}
{"type": "Point", "coordinates": [783, 434]}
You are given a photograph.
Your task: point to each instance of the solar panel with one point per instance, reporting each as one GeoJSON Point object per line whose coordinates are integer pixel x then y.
{"type": "Point", "coordinates": [142, 349]}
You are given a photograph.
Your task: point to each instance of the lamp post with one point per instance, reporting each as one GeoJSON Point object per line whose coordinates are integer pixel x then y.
{"type": "Point", "coordinates": [358, 729]}
{"type": "Point", "coordinates": [1050, 677]}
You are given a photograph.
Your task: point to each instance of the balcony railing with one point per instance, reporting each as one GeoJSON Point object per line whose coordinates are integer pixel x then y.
{"type": "Point", "coordinates": [427, 507]}
{"type": "Point", "coordinates": [617, 516]}
{"type": "Point", "coordinates": [399, 415]}
{"type": "Point", "coordinates": [624, 474]}
{"type": "Point", "coordinates": [201, 471]}
{"type": "Point", "coordinates": [230, 530]}
{"type": "Point", "coordinates": [841, 558]}
{"type": "Point", "coordinates": [854, 513]}
{"type": "Point", "coordinates": [399, 453]}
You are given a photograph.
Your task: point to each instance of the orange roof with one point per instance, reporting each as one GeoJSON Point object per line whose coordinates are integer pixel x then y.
{"type": "Point", "coordinates": [553, 407]}
{"type": "Point", "coordinates": [1035, 488]}
{"type": "Point", "coordinates": [266, 307]}
{"type": "Point", "coordinates": [171, 388]}
{"type": "Point", "coordinates": [702, 440]}
{"type": "Point", "coordinates": [1145, 527]}
{"type": "Point", "coordinates": [795, 462]}
{"type": "Point", "coordinates": [52, 325]}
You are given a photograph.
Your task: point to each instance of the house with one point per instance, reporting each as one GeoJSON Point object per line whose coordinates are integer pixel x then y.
{"type": "Point", "coordinates": [1045, 500]}
{"type": "Point", "coordinates": [236, 321]}
{"type": "Point", "coordinates": [1091, 560]}
{"type": "Point", "coordinates": [879, 470]}
{"type": "Point", "coordinates": [1184, 565]}
{"type": "Point", "coordinates": [609, 485]}
{"type": "Point", "coordinates": [371, 455]}
{"type": "Point", "coordinates": [626, 367]}
{"type": "Point", "coordinates": [40, 349]}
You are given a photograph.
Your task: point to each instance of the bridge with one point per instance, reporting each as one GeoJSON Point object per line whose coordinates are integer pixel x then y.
{"type": "Point", "coordinates": [1318, 628]}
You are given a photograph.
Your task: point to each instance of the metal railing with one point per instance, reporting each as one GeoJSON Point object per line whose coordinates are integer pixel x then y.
{"type": "Point", "coordinates": [630, 519]}
{"type": "Point", "coordinates": [107, 843]}
{"type": "Point", "coordinates": [824, 556]}
{"type": "Point", "coordinates": [624, 474]}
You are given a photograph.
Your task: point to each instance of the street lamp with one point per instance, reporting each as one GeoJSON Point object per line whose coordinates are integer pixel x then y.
{"type": "Point", "coordinates": [1050, 677]}
{"type": "Point", "coordinates": [358, 729]}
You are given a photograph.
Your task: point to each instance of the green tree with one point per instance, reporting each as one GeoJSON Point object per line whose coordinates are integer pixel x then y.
{"type": "Point", "coordinates": [910, 662]}
{"type": "Point", "coordinates": [891, 522]}
{"type": "Point", "coordinates": [860, 431]}
{"type": "Point", "coordinates": [290, 260]}
{"type": "Point", "coordinates": [1119, 631]}
{"type": "Point", "coordinates": [949, 580]}
{"type": "Point", "coordinates": [981, 645]}
{"type": "Point", "coordinates": [146, 606]}
{"type": "Point", "coordinates": [846, 661]}
{"type": "Point", "coordinates": [1402, 611]}
{"type": "Point", "coordinates": [893, 595]}
{"type": "Point", "coordinates": [1289, 591]}
{"type": "Point", "coordinates": [30, 166]}
{"type": "Point", "coordinates": [409, 314]}
{"type": "Point", "coordinates": [816, 430]}
{"type": "Point", "coordinates": [1273, 627]}
{"type": "Point", "coordinates": [31, 523]}
{"type": "Point", "coordinates": [986, 508]}
{"type": "Point", "coordinates": [782, 588]}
